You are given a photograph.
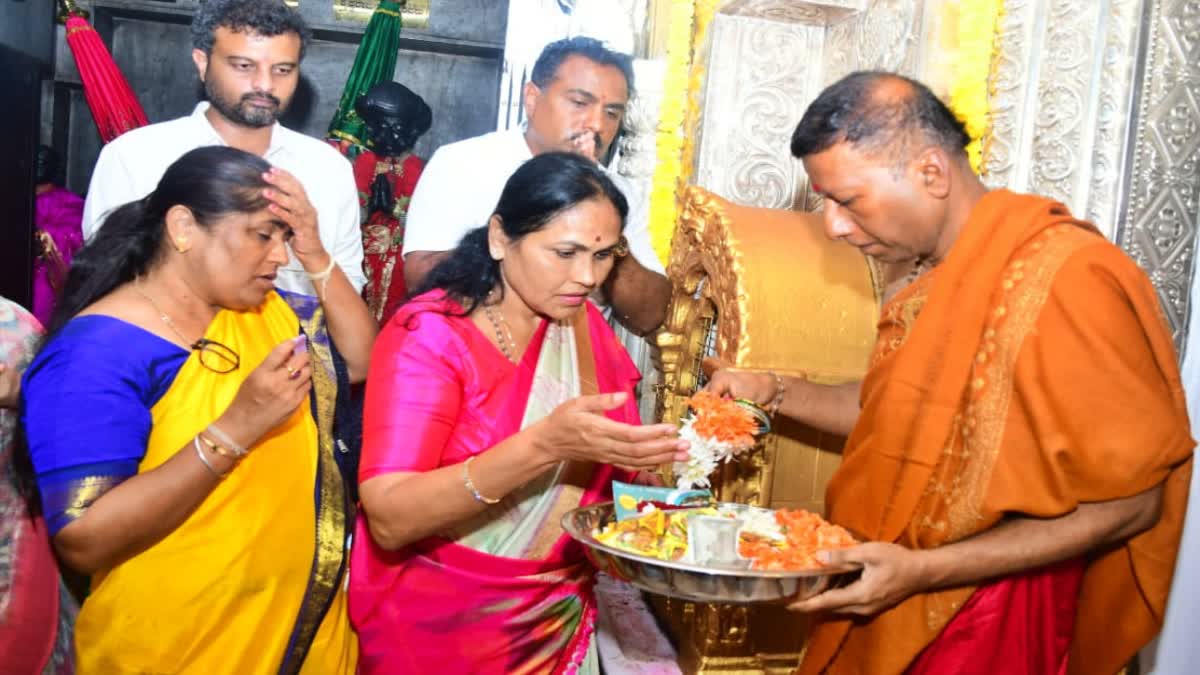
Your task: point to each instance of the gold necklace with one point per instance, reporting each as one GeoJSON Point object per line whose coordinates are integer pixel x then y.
{"type": "Point", "coordinates": [137, 286]}
{"type": "Point", "coordinates": [504, 336]}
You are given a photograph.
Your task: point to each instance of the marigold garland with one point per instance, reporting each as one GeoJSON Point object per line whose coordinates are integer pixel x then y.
{"type": "Point", "coordinates": [669, 136]}
{"type": "Point", "coordinates": [976, 30]}
{"type": "Point", "coordinates": [705, 10]}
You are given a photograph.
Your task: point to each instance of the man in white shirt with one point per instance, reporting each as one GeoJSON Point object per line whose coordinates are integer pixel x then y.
{"type": "Point", "coordinates": [574, 102]}
{"type": "Point", "coordinates": [248, 54]}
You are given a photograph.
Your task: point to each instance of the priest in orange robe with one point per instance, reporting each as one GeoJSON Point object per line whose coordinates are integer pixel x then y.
{"type": "Point", "coordinates": [1019, 451]}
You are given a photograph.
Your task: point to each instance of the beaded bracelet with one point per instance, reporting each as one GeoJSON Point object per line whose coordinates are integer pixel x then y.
{"type": "Point", "coordinates": [466, 476]}
{"type": "Point", "coordinates": [780, 390]}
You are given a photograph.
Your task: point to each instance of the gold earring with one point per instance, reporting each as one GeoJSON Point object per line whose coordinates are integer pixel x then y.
{"type": "Point", "coordinates": [181, 244]}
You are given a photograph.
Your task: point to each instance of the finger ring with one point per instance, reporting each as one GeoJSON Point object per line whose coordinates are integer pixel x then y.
{"type": "Point", "coordinates": [291, 372]}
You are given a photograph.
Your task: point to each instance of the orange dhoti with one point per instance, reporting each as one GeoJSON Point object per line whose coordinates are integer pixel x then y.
{"type": "Point", "coordinates": [1030, 372]}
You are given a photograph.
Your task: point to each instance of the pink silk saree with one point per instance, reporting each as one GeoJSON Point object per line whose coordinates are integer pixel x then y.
{"type": "Point", "coordinates": [473, 601]}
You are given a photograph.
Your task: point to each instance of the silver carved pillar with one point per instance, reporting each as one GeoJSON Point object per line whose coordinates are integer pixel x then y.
{"type": "Point", "coordinates": [1160, 208]}
{"type": "Point", "coordinates": [769, 59]}
{"type": "Point", "coordinates": [1097, 103]}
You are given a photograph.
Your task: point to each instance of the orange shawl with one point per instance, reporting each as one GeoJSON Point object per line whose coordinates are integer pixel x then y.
{"type": "Point", "coordinates": [1040, 376]}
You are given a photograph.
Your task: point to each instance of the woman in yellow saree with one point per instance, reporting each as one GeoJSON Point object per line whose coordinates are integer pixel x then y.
{"type": "Point", "coordinates": [181, 423]}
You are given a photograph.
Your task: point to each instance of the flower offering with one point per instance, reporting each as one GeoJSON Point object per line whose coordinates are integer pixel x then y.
{"type": "Point", "coordinates": [754, 538]}
{"type": "Point", "coordinates": [718, 430]}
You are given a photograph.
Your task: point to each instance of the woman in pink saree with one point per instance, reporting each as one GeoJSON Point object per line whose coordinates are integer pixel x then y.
{"type": "Point", "coordinates": [58, 214]}
{"type": "Point", "coordinates": [496, 402]}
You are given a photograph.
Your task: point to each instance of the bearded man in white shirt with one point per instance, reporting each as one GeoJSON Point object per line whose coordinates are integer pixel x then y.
{"type": "Point", "coordinates": [575, 102]}
{"type": "Point", "coordinates": [247, 53]}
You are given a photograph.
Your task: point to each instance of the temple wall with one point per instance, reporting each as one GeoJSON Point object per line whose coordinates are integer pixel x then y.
{"type": "Point", "coordinates": [16, 21]}
{"type": "Point", "coordinates": [1062, 92]}
{"type": "Point", "coordinates": [1159, 211]}
{"type": "Point", "coordinates": [454, 64]}
{"type": "Point", "coordinates": [767, 61]}
{"type": "Point", "coordinates": [743, 155]}
{"type": "Point", "coordinates": [1095, 103]}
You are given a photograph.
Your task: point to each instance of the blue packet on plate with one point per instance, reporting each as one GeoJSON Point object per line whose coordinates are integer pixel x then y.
{"type": "Point", "coordinates": [630, 499]}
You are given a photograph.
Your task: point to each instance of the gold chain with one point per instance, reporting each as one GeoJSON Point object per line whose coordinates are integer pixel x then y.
{"type": "Point", "coordinates": [137, 286]}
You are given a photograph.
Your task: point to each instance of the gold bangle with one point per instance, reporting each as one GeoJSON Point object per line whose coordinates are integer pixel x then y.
{"type": "Point", "coordinates": [466, 476]}
{"type": "Point", "coordinates": [207, 464]}
{"type": "Point", "coordinates": [220, 449]}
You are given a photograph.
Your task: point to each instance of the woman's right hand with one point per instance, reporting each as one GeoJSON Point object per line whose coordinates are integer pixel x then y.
{"type": "Point", "coordinates": [578, 430]}
{"type": "Point", "coordinates": [269, 395]}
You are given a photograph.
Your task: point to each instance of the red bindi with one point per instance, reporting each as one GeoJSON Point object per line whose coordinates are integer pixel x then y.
{"type": "Point", "coordinates": [597, 239]}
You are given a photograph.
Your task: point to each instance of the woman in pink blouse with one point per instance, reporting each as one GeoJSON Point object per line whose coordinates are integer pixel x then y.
{"type": "Point", "coordinates": [58, 214]}
{"type": "Point", "coordinates": [496, 402]}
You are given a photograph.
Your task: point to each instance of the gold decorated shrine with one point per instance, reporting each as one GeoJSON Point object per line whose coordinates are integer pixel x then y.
{"type": "Point", "coordinates": [760, 289]}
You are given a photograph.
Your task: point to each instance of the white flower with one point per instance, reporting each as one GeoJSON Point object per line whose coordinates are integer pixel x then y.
{"type": "Point", "coordinates": [704, 455]}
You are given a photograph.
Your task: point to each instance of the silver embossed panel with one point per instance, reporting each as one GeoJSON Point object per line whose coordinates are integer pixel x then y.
{"type": "Point", "coordinates": [765, 78]}
{"type": "Point", "coordinates": [1159, 222]}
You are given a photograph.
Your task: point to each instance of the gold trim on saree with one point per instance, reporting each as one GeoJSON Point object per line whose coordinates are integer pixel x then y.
{"type": "Point", "coordinates": [952, 505]}
{"type": "Point", "coordinates": [899, 316]}
{"type": "Point", "coordinates": [68, 501]}
{"type": "Point", "coordinates": [329, 556]}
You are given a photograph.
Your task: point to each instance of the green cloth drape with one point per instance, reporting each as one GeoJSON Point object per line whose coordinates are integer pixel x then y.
{"type": "Point", "coordinates": [374, 62]}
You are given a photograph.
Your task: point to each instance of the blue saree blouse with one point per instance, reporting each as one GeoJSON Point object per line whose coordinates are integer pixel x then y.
{"type": "Point", "coordinates": [87, 399]}
{"type": "Point", "coordinates": [88, 394]}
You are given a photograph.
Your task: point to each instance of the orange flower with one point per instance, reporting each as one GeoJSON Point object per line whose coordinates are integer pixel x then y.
{"type": "Point", "coordinates": [722, 419]}
{"type": "Point", "coordinates": [806, 534]}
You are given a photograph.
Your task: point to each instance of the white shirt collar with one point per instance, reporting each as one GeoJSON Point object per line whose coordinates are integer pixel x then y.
{"type": "Point", "coordinates": [517, 135]}
{"type": "Point", "coordinates": [205, 127]}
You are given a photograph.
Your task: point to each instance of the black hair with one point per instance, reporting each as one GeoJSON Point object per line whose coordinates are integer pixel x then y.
{"type": "Point", "coordinates": [854, 110]}
{"type": "Point", "coordinates": [396, 99]}
{"type": "Point", "coordinates": [262, 17]}
{"type": "Point", "coordinates": [538, 190]}
{"type": "Point", "coordinates": [545, 69]}
{"type": "Point", "coordinates": [211, 182]}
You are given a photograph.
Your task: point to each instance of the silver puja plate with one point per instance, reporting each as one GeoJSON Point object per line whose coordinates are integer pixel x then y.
{"type": "Point", "coordinates": [734, 583]}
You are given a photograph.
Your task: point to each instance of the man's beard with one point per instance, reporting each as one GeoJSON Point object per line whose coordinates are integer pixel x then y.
{"type": "Point", "coordinates": [243, 112]}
